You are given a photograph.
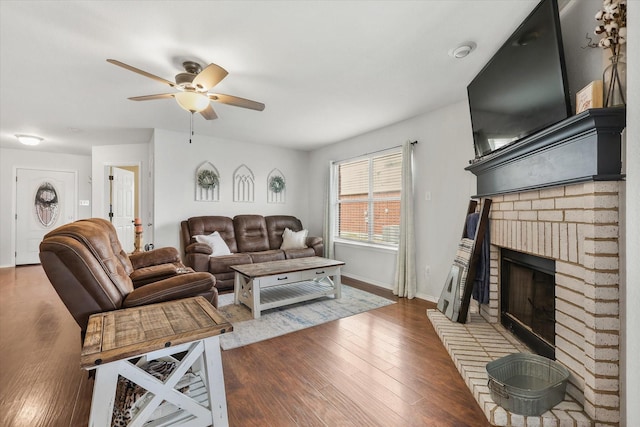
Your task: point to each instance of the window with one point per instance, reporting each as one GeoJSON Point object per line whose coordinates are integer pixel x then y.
{"type": "Point", "coordinates": [368, 198]}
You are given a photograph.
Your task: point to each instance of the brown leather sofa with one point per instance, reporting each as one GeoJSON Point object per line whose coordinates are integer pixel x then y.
{"type": "Point", "coordinates": [91, 273]}
{"type": "Point", "coordinates": [250, 238]}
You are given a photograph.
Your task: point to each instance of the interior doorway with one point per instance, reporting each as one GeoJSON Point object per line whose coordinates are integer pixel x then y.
{"type": "Point", "coordinates": [123, 201]}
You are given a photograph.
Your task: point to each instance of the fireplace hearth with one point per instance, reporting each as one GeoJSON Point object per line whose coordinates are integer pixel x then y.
{"type": "Point", "coordinates": [528, 300]}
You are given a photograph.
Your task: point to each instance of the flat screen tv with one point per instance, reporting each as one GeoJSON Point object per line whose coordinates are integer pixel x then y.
{"type": "Point", "coordinates": [523, 89]}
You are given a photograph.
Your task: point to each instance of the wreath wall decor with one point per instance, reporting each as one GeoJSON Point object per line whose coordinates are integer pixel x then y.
{"type": "Point", "coordinates": [46, 204]}
{"type": "Point", "coordinates": [277, 184]}
{"type": "Point", "coordinates": [207, 179]}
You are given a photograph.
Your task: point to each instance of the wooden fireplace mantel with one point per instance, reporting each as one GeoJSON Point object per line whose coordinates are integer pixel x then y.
{"type": "Point", "coordinates": [584, 147]}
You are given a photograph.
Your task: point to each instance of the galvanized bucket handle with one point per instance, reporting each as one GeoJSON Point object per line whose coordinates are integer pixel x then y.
{"type": "Point", "coordinates": [498, 388]}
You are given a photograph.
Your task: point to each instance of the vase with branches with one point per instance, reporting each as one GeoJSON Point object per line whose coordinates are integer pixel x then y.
{"type": "Point", "coordinates": [612, 29]}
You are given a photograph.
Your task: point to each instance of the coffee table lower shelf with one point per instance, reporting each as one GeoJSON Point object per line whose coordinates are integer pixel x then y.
{"type": "Point", "coordinates": [278, 296]}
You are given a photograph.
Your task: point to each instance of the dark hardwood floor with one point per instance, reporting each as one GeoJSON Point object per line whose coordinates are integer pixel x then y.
{"type": "Point", "coordinates": [385, 367]}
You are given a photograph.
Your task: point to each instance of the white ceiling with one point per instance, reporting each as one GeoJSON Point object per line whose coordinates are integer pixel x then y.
{"type": "Point", "coordinates": [326, 70]}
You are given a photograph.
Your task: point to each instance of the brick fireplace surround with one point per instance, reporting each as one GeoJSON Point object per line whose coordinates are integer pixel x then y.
{"type": "Point", "coordinates": [575, 223]}
{"type": "Point", "coordinates": [577, 226]}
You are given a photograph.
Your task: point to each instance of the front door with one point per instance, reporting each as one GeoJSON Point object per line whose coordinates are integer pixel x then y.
{"type": "Point", "coordinates": [45, 199]}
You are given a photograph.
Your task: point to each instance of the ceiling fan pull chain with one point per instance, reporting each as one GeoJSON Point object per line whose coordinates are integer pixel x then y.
{"type": "Point", "coordinates": [191, 128]}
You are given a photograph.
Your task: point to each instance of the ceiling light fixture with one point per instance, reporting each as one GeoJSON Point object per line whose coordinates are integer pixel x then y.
{"type": "Point", "coordinates": [29, 139]}
{"type": "Point", "coordinates": [193, 102]}
{"type": "Point", "coordinates": [463, 50]}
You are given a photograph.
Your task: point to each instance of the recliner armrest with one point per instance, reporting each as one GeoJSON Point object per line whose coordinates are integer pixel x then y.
{"type": "Point", "coordinates": [153, 273]}
{"type": "Point", "coordinates": [176, 287]}
{"type": "Point", "coordinates": [158, 256]}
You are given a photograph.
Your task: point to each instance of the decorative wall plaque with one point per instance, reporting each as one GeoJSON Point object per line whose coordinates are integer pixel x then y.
{"type": "Point", "coordinates": [207, 183]}
{"type": "Point", "coordinates": [243, 184]}
{"type": "Point", "coordinates": [276, 187]}
{"type": "Point", "coordinates": [589, 97]}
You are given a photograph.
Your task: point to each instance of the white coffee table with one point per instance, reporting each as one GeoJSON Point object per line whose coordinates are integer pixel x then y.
{"type": "Point", "coordinates": [266, 285]}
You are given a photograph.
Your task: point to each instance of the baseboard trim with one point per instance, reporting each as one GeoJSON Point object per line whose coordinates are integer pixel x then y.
{"type": "Point", "coordinates": [365, 286]}
{"type": "Point", "coordinates": [380, 290]}
{"type": "Point", "coordinates": [429, 298]}
{"type": "Point", "coordinates": [368, 281]}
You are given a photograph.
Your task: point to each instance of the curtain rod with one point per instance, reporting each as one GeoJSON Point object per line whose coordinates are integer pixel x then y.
{"type": "Point", "coordinates": [372, 152]}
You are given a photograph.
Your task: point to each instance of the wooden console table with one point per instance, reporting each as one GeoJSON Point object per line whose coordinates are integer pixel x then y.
{"type": "Point", "coordinates": [261, 286]}
{"type": "Point", "coordinates": [118, 342]}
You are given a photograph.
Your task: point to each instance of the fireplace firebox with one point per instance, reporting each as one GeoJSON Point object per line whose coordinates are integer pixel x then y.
{"type": "Point", "coordinates": [528, 299]}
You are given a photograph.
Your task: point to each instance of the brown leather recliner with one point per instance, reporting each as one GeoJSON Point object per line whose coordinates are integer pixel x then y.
{"type": "Point", "coordinates": [91, 273]}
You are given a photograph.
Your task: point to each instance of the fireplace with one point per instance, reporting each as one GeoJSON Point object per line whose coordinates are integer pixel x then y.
{"type": "Point", "coordinates": [528, 299]}
{"type": "Point", "coordinates": [576, 227]}
{"type": "Point", "coordinates": [556, 196]}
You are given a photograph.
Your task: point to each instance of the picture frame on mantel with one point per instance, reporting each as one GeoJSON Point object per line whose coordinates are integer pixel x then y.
{"type": "Point", "coordinates": [589, 97]}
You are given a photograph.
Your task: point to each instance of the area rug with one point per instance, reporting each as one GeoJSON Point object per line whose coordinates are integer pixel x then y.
{"type": "Point", "coordinates": [283, 320]}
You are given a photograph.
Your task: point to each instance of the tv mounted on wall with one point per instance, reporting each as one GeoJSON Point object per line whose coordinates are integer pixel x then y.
{"type": "Point", "coordinates": [523, 89]}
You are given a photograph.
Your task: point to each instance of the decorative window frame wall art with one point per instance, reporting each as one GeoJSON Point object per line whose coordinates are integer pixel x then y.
{"type": "Point", "coordinates": [207, 183]}
{"type": "Point", "coordinates": [276, 187]}
{"type": "Point", "coordinates": [243, 184]}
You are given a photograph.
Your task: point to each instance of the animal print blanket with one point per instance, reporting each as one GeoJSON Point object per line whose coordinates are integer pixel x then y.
{"type": "Point", "coordinates": [129, 393]}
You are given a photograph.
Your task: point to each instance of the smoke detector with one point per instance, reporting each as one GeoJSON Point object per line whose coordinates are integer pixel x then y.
{"type": "Point", "coordinates": [463, 50]}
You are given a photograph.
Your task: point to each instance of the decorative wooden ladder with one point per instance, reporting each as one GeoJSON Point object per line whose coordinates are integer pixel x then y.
{"type": "Point", "coordinates": [451, 303]}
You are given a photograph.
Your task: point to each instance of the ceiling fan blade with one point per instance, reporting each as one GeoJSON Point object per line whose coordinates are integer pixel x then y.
{"type": "Point", "coordinates": [152, 97]}
{"type": "Point", "coordinates": [139, 71]}
{"type": "Point", "coordinates": [208, 113]}
{"type": "Point", "coordinates": [209, 77]}
{"type": "Point", "coordinates": [236, 101]}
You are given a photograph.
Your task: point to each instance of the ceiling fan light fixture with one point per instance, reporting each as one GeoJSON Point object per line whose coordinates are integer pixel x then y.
{"type": "Point", "coordinates": [193, 89]}
{"type": "Point", "coordinates": [193, 102]}
{"type": "Point", "coordinates": [29, 139]}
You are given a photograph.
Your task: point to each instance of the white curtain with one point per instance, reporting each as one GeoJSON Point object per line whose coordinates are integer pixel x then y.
{"type": "Point", "coordinates": [327, 235]}
{"type": "Point", "coordinates": [405, 280]}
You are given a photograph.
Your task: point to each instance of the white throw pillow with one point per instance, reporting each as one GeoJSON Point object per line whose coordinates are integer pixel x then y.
{"type": "Point", "coordinates": [215, 242]}
{"type": "Point", "coordinates": [294, 239]}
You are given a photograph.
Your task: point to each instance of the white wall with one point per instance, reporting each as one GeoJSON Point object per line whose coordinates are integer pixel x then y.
{"type": "Point", "coordinates": [123, 155]}
{"type": "Point", "coordinates": [583, 64]}
{"type": "Point", "coordinates": [12, 159]}
{"type": "Point", "coordinates": [630, 293]}
{"type": "Point", "coordinates": [443, 150]}
{"type": "Point", "coordinates": [176, 162]}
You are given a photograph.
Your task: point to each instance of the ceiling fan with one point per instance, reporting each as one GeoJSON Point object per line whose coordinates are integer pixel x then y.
{"type": "Point", "coordinates": [193, 89]}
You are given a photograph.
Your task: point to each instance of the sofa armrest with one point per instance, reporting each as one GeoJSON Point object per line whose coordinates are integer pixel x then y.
{"type": "Point", "coordinates": [197, 256]}
{"type": "Point", "coordinates": [316, 243]}
{"type": "Point", "coordinates": [176, 287]}
{"type": "Point", "coordinates": [155, 257]}
{"type": "Point", "coordinates": [198, 248]}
